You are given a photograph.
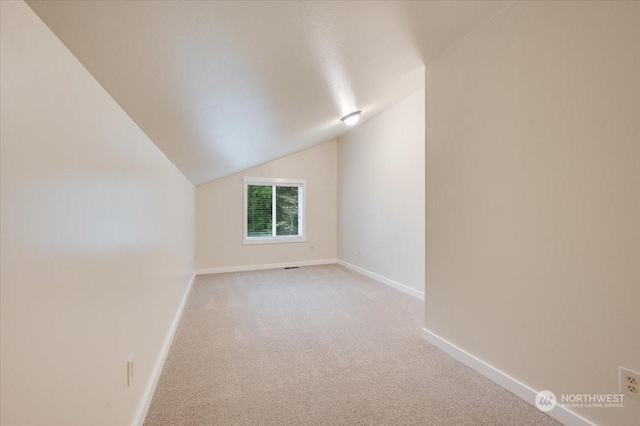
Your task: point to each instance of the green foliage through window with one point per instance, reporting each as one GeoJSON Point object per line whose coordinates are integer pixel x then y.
{"type": "Point", "coordinates": [260, 211]}
{"type": "Point", "coordinates": [286, 210]}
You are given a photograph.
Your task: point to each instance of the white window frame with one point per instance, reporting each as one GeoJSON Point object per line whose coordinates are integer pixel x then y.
{"type": "Point", "coordinates": [302, 209]}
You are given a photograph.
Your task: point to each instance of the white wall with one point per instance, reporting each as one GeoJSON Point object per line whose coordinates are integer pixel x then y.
{"type": "Point", "coordinates": [533, 197]}
{"type": "Point", "coordinates": [97, 239]}
{"type": "Point", "coordinates": [219, 214]}
{"type": "Point", "coordinates": [381, 194]}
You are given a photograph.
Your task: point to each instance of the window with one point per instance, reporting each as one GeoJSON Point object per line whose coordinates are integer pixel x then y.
{"type": "Point", "coordinates": [273, 210]}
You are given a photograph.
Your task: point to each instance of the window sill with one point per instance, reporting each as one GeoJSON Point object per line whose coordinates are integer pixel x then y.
{"type": "Point", "coordinates": [274, 240]}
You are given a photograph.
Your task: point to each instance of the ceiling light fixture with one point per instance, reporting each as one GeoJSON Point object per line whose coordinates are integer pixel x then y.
{"type": "Point", "coordinates": [351, 119]}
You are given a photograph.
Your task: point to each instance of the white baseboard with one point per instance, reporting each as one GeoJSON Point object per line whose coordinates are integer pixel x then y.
{"type": "Point", "coordinates": [384, 280]}
{"type": "Point", "coordinates": [245, 268]}
{"type": "Point", "coordinates": [157, 368]}
{"type": "Point", "coordinates": [562, 414]}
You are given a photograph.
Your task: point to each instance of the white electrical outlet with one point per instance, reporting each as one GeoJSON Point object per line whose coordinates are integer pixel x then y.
{"type": "Point", "coordinates": [130, 371]}
{"type": "Point", "coordinates": [629, 383]}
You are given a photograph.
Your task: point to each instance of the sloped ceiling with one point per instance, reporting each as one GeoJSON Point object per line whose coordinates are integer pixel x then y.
{"type": "Point", "coordinates": [224, 86]}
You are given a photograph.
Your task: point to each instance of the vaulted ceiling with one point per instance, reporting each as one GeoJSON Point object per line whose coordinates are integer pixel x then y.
{"type": "Point", "coordinates": [224, 86]}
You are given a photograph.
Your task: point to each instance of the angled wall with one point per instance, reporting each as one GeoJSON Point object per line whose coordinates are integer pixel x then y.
{"type": "Point", "coordinates": [97, 239]}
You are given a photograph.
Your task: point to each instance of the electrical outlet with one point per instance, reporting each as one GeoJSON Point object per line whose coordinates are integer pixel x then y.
{"type": "Point", "coordinates": [130, 371]}
{"type": "Point", "coordinates": [629, 383]}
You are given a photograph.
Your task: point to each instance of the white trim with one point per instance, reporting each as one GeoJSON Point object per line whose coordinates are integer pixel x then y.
{"type": "Point", "coordinates": [274, 213]}
{"type": "Point", "coordinates": [562, 414]}
{"type": "Point", "coordinates": [164, 351]}
{"type": "Point", "coordinates": [384, 280]}
{"type": "Point", "coordinates": [274, 240]}
{"type": "Point", "coordinates": [245, 268]}
{"type": "Point", "coordinates": [274, 181]}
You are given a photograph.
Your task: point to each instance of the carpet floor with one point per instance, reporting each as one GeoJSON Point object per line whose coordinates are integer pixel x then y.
{"type": "Point", "coordinates": [317, 345]}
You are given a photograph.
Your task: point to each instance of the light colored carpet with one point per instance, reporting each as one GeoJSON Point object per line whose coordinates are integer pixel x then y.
{"type": "Point", "coordinates": [317, 346]}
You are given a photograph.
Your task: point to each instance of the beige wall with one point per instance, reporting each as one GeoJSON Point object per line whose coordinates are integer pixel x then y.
{"type": "Point", "coordinates": [97, 239]}
{"type": "Point", "coordinates": [381, 194]}
{"type": "Point", "coordinates": [533, 197]}
{"type": "Point", "coordinates": [219, 214]}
